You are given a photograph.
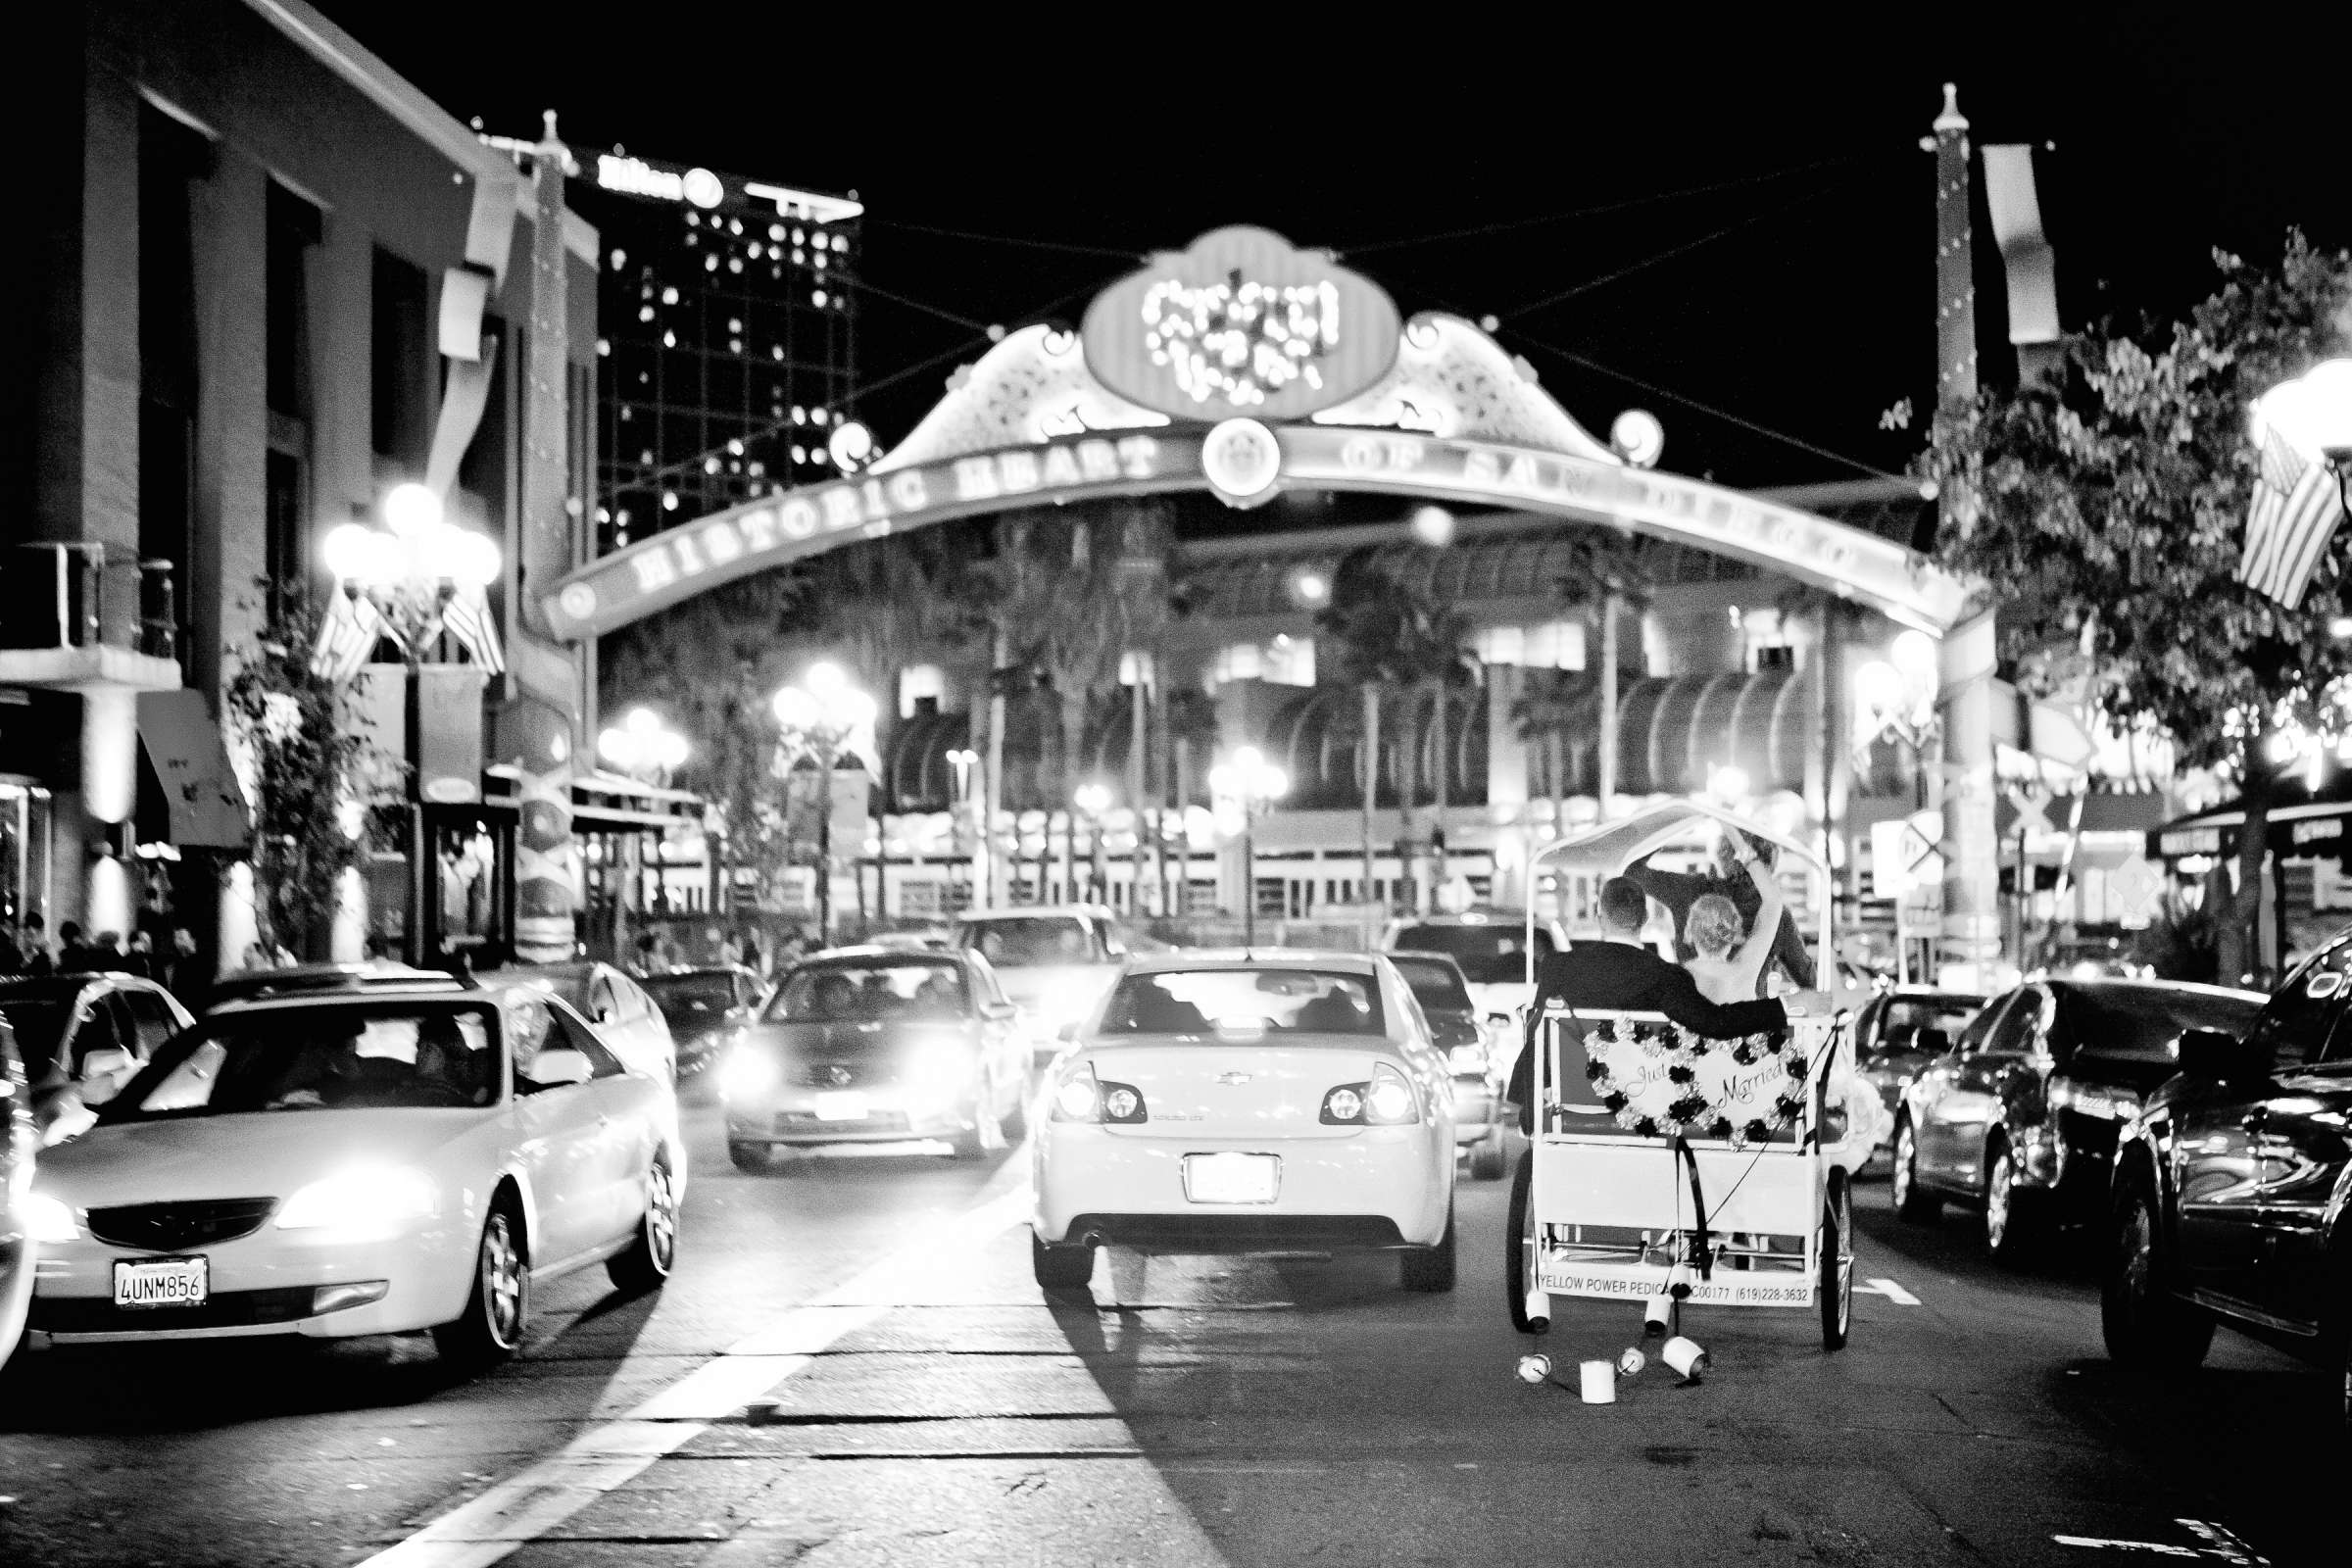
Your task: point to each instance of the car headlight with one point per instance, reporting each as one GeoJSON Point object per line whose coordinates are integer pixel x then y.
{"type": "Point", "coordinates": [363, 1204]}
{"type": "Point", "coordinates": [747, 1074]}
{"type": "Point", "coordinates": [49, 1219]}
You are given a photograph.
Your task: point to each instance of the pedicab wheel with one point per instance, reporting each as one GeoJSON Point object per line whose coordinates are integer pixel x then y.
{"type": "Point", "coordinates": [1836, 1286]}
{"type": "Point", "coordinates": [1519, 1260]}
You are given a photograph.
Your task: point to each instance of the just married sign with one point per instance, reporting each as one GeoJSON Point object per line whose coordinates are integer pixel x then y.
{"type": "Point", "coordinates": [1654, 1079]}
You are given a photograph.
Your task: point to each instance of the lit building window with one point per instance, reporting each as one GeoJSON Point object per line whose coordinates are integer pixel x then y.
{"type": "Point", "coordinates": [1556, 644]}
{"type": "Point", "coordinates": [919, 681]}
{"type": "Point", "coordinates": [1501, 645]}
{"type": "Point", "coordinates": [1285, 661]}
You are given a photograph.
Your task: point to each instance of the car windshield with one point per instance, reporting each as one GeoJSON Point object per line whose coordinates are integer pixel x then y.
{"type": "Point", "coordinates": [1434, 984]}
{"type": "Point", "coordinates": [1025, 942]}
{"type": "Point", "coordinates": [1244, 1003]}
{"type": "Point", "coordinates": [2144, 1023]}
{"type": "Point", "coordinates": [570, 984]}
{"type": "Point", "coordinates": [856, 992]}
{"type": "Point", "coordinates": [39, 1023]}
{"type": "Point", "coordinates": [1906, 1016]}
{"type": "Point", "coordinates": [1491, 955]}
{"type": "Point", "coordinates": [328, 1057]}
{"type": "Point", "coordinates": [685, 994]}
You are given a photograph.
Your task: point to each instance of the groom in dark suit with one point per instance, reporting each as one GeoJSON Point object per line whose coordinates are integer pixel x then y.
{"type": "Point", "coordinates": [1622, 973]}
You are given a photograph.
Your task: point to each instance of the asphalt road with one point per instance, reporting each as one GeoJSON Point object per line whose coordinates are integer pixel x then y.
{"type": "Point", "coordinates": [930, 1407]}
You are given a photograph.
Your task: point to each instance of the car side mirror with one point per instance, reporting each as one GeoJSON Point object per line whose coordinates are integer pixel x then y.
{"type": "Point", "coordinates": [1067, 1032]}
{"type": "Point", "coordinates": [607, 1014]}
{"type": "Point", "coordinates": [2219, 1054]}
{"type": "Point", "coordinates": [560, 1066]}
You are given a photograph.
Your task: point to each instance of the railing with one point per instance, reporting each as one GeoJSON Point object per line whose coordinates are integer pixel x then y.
{"type": "Point", "coordinates": [58, 596]}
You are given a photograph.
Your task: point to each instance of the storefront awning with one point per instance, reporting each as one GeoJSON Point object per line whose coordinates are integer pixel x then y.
{"type": "Point", "coordinates": [200, 788]}
{"type": "Point", "coordinates": [2301, 825]}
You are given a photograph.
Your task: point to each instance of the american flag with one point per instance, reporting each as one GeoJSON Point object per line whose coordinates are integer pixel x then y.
{"type": "Point", "coordinates": [466, 618]}
{"type": "Point", "coordinates": [2294, 513]}
{"type": "Point", "coordinates": [347, 636]}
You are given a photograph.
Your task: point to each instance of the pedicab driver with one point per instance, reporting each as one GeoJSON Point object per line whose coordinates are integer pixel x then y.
{"type": "Point", "coordinates": [1622, 973]}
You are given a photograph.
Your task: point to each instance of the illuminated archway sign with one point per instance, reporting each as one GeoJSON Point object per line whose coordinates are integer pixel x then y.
{"type": "Point", "coordinates": [1244, 366]}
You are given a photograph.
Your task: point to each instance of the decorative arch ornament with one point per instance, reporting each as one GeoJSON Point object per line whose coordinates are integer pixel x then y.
{"type": "Point", "coordinates": [1274, 365]}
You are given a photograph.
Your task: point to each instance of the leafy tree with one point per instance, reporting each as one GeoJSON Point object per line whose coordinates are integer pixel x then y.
{"type": "Point", "coordinates": [1384, 636]}
{"type": "Point", "coordinates": [2112, 496]}
{"type": "Point", "coordinates": [314, 762]}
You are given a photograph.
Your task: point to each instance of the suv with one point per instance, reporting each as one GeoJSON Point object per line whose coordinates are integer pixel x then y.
{"type": "Point", "coordinates": [1490, 946]}
{"type": "Point", "coordinates": [2228, 1201]}
{"type": "Point", "coordinates": [2019, 1118]}
{"type": "Point", "coordinates": [1055, 961]}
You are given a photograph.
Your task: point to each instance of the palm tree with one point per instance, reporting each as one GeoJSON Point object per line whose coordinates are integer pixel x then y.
{"type": "Point", "coordinates": [1389, 640]}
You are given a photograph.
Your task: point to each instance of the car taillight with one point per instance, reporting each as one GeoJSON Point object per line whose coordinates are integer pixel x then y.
{"type": "Point", "coordinates": [1386, 1100]}
{"type": "Point", "coordinates": [1464, 1061]}
{"type": "Point", "coordinates": [1082, 1097]}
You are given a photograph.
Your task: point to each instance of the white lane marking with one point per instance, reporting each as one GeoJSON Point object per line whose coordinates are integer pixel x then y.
{"type": "Point", "coordinates": [1888, 1288]}
{"type": "Point", "coordinates": [542, 1495]}
{"type": "Point", "coordinates": [2153, 1547]}
{"type": "Point", "coordinates": [2224, 1543]}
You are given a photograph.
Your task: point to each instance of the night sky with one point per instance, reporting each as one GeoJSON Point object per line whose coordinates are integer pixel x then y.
{"type": "Point", "coordinates": [1739, 217]}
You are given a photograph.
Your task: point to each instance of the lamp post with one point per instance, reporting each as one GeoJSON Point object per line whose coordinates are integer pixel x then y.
{"type": "Point", "coordinates": [1899, 699]}
{"type": "Point", "coordinates": [409, 571]}
{"type": "Point", "coordinates": [964, 759]}
{"type": "Point", "coordinates": [646, 749]}
{"type": "Point", "coordinates": [2313, 415]}
{"type": "Point", "coordinates": [820, 717]}
{"type": "Point", "coordinates": [1093, 798]}
{"type": "Point", "coordinates": [1256, 784]}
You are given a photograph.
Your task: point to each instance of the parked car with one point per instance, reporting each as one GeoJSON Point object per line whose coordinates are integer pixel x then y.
{"type": "Point", "coordinates": [307, 979]}
{"type": "Point", "coordinates": [1227, 1101]}
{"type": "Point", "coordinates": [355, 1163]}
{"type": "Point", "coordinates": [624, 1016]}
{"type": "Point", "coordinates": [81, 1036]}
{"type": "Point", "coordinates": [1478, 1054]}
{"type": "Point", "coordinates": [1900, 1031]}
{"type": "Point", "coordinates": [1489, 944]}
{"type": "Point", "coordinates": [706, 1009]}
{"type": "Point", "coordinates": [1055, 962]}
{"type": "Point", "coordinates": [2229, 1199]}
{"type": "Point", "coordinates": [878, 1045]}
{"type": "Point", "coordinates": [2020, 1117]}
{"type": "Point", "coordinates": [19, 1138]}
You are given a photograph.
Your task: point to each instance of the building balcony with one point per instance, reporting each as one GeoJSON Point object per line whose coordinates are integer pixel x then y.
{"type": "Point", "coordinates": [62, 625]}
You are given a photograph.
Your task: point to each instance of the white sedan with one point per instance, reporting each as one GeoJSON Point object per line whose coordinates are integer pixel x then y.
{"type": "Point", "coordinates": [1231, 1103]}
{"type": "Point", "coordinates": [373, 1162]}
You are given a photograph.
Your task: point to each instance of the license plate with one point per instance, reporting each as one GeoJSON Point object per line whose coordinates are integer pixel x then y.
{"type": "Point", "coordinates": [842, 1107]}
{"type": "Point", "coordinates": [166, 1281]}
{"type": "Point", "coordinates": [1232, 1178]}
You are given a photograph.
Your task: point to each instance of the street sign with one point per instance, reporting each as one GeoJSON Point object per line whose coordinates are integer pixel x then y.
{"type": "Point", "coordinates": [2136, 884]}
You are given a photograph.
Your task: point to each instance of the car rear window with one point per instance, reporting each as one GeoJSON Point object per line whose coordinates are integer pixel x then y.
{"type": "Point", "coordinates": [1244, 1004]}
{"type": "Point", "coordinates": [2143, 1023]}
{"type": "Point", "coordinates": [681, 995]}
{"type": "Point", "coordinates": [1021, 941]}
{"type": "Point", "coordinates": [855, 993]}
{"type": "Point", "coordinates": [1490, 955]}
{"type": "Point", "coordinates": [1434, 984]}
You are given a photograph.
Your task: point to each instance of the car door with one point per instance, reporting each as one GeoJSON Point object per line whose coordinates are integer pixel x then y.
{"type": "Point", "coordinates": [1942, 1115]}
{"type": "Point", "coordinates": [1982, 1079]}
{"type": "Point", "coordinates": [1001, 1041]}
{"type": "Point", "coordinates": [2228, 1152]}
{"type": "Point", "coordinates": [616, 1122]}
{"type": "Point", "coordinates": [555, 1139]}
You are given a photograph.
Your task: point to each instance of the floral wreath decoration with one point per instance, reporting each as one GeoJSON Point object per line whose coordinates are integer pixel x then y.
{"type": "Point", "coordinates": [1691, 1112]}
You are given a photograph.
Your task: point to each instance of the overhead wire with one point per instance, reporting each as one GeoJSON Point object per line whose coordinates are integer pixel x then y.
{"type": "Point", "coordinates": [1065, 246]}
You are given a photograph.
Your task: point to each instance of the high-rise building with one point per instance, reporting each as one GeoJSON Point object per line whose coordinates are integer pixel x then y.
{"type": "Point", "coordinates": [729, 347]}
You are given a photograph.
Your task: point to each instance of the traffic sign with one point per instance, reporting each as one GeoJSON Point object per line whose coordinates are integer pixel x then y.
{"type": "Point", "coordinates": [2137, 885]}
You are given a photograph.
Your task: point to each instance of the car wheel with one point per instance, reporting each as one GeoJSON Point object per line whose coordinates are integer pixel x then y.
{"type": "Point", "coordinates": [1489, 1160]}
{"type": "Point", "coordinates": [490, 1330]}
{"type": "Point", "coordinates": [2145, 1326]}
{"type": "Point", "coordinates": [752, 1157]}
{"type": "Point", "coordinates": [1060, 1268]}
{"type": "Point", "coordinates": [1429, 1269]}
{"type": "Point", "coordinates": [1911, 1200]}
{"type": "Point", "coordinates": [654, 1251]}
{"type": "Point", "coordinates": [2010, 1215]}
{"type": "Point", "coordinates": [1835, 1285]}
{"type": "Point", "coordinates": [1519, 1256]}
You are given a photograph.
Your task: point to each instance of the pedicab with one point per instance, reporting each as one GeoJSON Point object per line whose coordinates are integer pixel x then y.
{"type": "Point", "coordinates": [1672, 1170]}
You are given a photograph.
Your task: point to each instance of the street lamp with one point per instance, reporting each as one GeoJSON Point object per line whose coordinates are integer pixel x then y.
{"type": "Point", "coordinates": [969, 813]}
{"type": "Point", "coordinates": [410, 571]}
{"type": "Point", "coordinates": [2313, 415]}
{"type": "Point", "coordinates": [1898, 698]}
{"type": "Point", "coordinates": [646, 749]}
{"type": "Point", "coordinates": [1249, 778]}
{"type": "Point", "coordinates": [1093, 798]}
{"type": "Point", "coordinates": [820, 717]}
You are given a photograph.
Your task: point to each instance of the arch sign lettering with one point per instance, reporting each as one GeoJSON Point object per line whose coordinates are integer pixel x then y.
{"type": "Point", "coordinates": [1244, 366]}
